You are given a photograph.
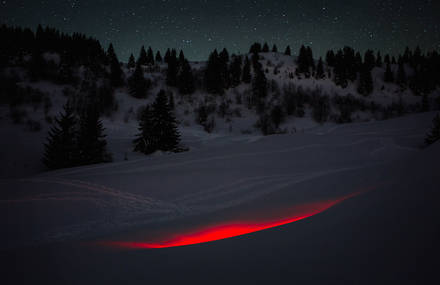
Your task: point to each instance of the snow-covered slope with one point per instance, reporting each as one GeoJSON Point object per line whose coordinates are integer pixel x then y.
{"type": "Point", "coordinates": [385, 234]}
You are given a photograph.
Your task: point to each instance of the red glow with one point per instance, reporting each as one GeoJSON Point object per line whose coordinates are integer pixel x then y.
{"type": "Point", "coordinates": [233, 228]}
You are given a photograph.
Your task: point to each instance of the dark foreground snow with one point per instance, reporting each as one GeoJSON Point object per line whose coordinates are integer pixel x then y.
{"type": "Point", "coordinates": [54, 222]}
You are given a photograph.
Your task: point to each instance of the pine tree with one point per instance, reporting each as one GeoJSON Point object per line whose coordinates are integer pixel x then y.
{"type": "Point", "coordinates": [288, 51]}
{"type": "Point", "coordinates": [369, 60]}
{"type": "Point", "coordinates": [330, 58]}
{"type": "Point", "coordinates": [320, 69]}
{"type": "Point", "coordinates": [255, 48]}
{"type": "Point", "coordinates": [150, 56]}
{"type": "Point", "coordinates": [310, 60]}
{"type": "Point", "coordinates": [365, 86]}
{"type": "Point", "coordinates": [61, 149]}
{"type": "Point", "coordinates": [379, 59]}
{"type": "Point", "coordinates": [65, 74]}
{"type": "Point", "coordinates": [259, 89]}
{"type": "Point", "coordinates": [165, 124]}
{"type": "Point", "coordinates": [434, 134]}
{"type": "Point", "coordinates": [146, 141]}
{"type": "Point", "coordinates": [213, 74]}
{"type": "Point", "coordinates": [401, 75]}
{"type": "Point", "coordinates": [181, 58]}
{"type": "Point", "coordinates": [303, 61]}
{"type": "Point", "coordinates": [91, 138]}
{"type": "Point", "coordinates": [116, 74]}
{"type": "Point", "coordinates": [274, 48]}
{"type": "Point", "coordinates": [223, 67]}
{"type": "Point", "coordinates": [349, 65]}
{"type": "Point", "coordinates": [142, 59]}
{"type": "Point", "coordinates": [388, 76]}
{"type": "Point", "coordinates": [247, 77]}
{"type": "Point", "coordinates": [235, 71]}
{"type": "Point", "coordinates": [358, 62]}
{"type": "Point", "coordinates": [158, 57]}
{"type": "Point", "coordinates": [186, 79]}
{"type": "Point", "coordinates": [137, 84]}
{"type": "Point", "coordinates": [131, 61]}
{"type": "Point", "coordinates": [265, 47]}
{"type": "Point", "coordinates": [340, 76]}
{"type": "Point", "coordinates": [167, 56]}
{"type": "Point", "coordinates": [172, 69]}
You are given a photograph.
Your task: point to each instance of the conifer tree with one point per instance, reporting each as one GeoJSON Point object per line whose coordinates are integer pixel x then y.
{"type": "Point", "coordinates": [116, 74]}
{"type": "Point", "coordinates": [146, 141]}
{"type": "Point", "coordinates": [255, 48]}
{"type": "Point", "coordinates": [142, 59]}
{"type": "Point", "coordinates": [303, 61]}
{"type": "Point", "coordinates": [158, 57]}
{"type": "Point", "coordinates": [37, 65]}
{"type": "Point", "coordinates": [349, 64]}
{"type": "Point", "coordinates": [186, 79]}
{"type": "Point", "coordinates": [181, 58]}
{"type": "Point", "coordinates": [369, 60]}
{"type": "Point", "coordinates": [61, 149]}
{"type": "Point", "coordinates": [379, 59]}
{"type": "Point", "coordinates": [265, 48]}
{"type": "Point", "coordinates": [340, 76]}
{"type": "Point", "coordinates": [274, 48]}
{"type": "Point", "coordinates": [365, 86]}
{"type": "Point", "coordinates": [259, 89]}
{"type": "Point", "coordinates": [167, 56]}
{"type": "Point", "coordinates": [320, 69]}
{"type": "Point", "coordinates": [330, 58]}
{"type": "Point", "coordinates": [223, 67]}
{"type": "Point", "coordinates": [65, 74]}
{"type": "Point", "coordinates": [91, 137]}
{"type": "Point", "coordinates": [401, 75]}
{"type": "Point", "coordinates": [213, 79]}
{"type": "Point", "coordinates": [434, 134]}
{"type": "Point", "coordinates": [235, 71]}
{"type": "Point", "coordinates": [131, 62]}
{"type": "Point", "coordinates": [137, 84]}
{"type": "Point", "coordinates": [247, 77]}
{"type": "Point", "coordinates": [358, 62]}
{"type": "Point", "coordinates": [387, 59]}
{"type": "Point", "coordinates": [150, 56]}
{"type": "Point", "coordinates": [288, 51]}
{"type": "Point", "coordinates": [165, 124]}
{"type": "Point", "coordinates": [172, 69]}
{"type": "Point", "coordinates": [310, 60]}
{"type": "Point", "coordinates": [388, 76]}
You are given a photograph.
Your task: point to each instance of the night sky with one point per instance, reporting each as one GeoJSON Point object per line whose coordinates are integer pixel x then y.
{"type": "Point", "coordinates": [198, 27]}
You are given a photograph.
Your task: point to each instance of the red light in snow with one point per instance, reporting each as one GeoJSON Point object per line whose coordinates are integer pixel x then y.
{"type": "Point", "coordinates": [231, 229]}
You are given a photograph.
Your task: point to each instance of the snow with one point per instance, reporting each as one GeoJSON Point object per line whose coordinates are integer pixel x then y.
{"type": "Point", "coordinates": [55, 221]}
{"type": "Point", "coordinates": [226, 176]}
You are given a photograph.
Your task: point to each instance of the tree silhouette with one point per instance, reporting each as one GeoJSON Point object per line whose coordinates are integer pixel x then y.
{"type": "Point", "coordinates": [288, 51]}
{"type": "Point", "coordinates": [186, 79]}
{"type": "Point", "coordinates": [137, 84]}
{"type": "Point", "coordinates": [146, 141]}
{"type": "Point", "coordinates": [61, 149]}
{"type": "Point", "coordinates": [131, 61]}
{"type": "Point", "coordinates": [247, 77]}
{"type": "Point", "coordinates": [142, 59]}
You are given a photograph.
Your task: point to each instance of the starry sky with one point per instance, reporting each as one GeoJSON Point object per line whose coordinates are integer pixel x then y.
{"type": "Point", "coordinates": [199, 26]}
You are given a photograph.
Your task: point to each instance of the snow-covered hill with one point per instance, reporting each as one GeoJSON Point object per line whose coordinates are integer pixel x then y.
{"type": "Point", "coordinates": [386, 233]}
{"type": "Point", "coordinates": [26, 125]}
